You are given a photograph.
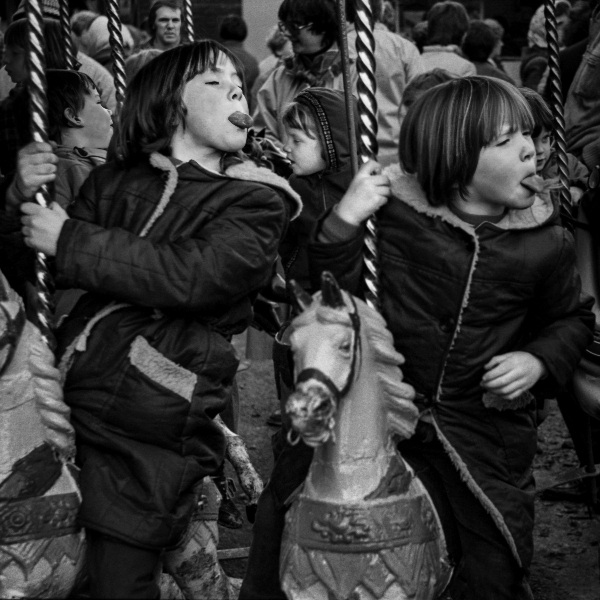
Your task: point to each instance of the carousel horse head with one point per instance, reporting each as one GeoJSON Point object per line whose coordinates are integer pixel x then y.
{"type": "Point", "coordinates": [336, 340]}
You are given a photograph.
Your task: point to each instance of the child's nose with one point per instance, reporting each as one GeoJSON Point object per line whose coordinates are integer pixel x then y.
{"type": "Point", "coordinates": [528, 151]}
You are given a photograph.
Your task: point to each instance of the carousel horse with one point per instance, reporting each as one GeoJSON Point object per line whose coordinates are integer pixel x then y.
{"type": "Point", "coordinates": [42, 551]}
{"type": "Point", "coordinates": [362, 526]}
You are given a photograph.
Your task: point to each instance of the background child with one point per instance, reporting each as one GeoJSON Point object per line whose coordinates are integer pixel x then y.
{"type": "Point", "coordinates": [317, 145]}
{"type": "Point", "coordinates": [172, 250]}
{"type": "Point", "coordinates": [420, 84]}
{"type": "Point", "coordinates": [546, 163]}
{"type": "Point", "coordinates": [480, 292]}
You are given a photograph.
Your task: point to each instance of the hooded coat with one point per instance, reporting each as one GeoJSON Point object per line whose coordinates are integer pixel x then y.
{"type": "Point", "coordinates": [453, 297]}
{"type": "Point", "coordinates": [320, 191]}
{"type": "Point", "coordinates": [172, 258]}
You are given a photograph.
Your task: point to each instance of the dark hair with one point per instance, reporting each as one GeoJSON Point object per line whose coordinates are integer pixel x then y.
{"type": "Point", "coordinates": [445, 130]}
{"type": "Point", "coordinates": [419, 84]}
{"type": "Point", "coordinates": [234, 28]}
{"type": "Point", "coordinates": [376, 7]}
{"type": "Point", "coordinates": [447, 23]}
{"type": "Point", "coordinates": [297, 115]}
{"type": "Point", "coordinates": [174, 4]}
{"type": "Point", "coordinates": [153, 107]}
{"type": "Point", "coordinates": [321, 13]}
{"type": "Point", "coordinates": [54, 51]}
{"type": "Point", "coordinates": [479, 42]}
{"type": "Point", "coordinates": [542, 115]}
{"type": "Point", "coordinates": [66, 89]}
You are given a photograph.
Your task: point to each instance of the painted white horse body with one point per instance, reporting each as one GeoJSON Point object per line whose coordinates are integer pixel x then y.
{"type": "Point", "coordinates": [362, 527]}
{"type": "Point", "coordinates": [42, 552]}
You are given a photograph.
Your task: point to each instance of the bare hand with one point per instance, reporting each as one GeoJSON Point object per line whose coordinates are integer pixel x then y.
{"type": "Point", "coordinates": [368, 192]}
{"type": "Point", "coordinates": [509, 375]}
{"type": "Point", "coordinates": [42, 226]}
{"type": "Point", "coordinates": [36, 165]}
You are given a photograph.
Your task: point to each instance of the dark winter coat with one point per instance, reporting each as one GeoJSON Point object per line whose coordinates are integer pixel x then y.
{"type": "Point", "coordinates": [321, 191]}
{"type": "Point", "coordinates": [173, 258]}
{"type": "Point", "coordinates": [454, 297]}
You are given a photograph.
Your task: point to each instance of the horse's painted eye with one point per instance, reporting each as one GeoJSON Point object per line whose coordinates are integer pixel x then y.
{"type": "Point", "coordinates": [345, 346]}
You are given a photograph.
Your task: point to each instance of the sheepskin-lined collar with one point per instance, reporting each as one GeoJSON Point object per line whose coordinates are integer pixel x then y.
{"type": "Point", "coordinates": [246, 171]}
{"type": "Point", "coordinates": [407, 189]}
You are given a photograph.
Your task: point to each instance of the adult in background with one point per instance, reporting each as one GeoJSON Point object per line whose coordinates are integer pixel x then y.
{"type": "Point", "coordinates": [534, 59]}
{"type": "Point", "coordinates": [89, 31]}
{"type": "Point", "coordinates": [312, 27]}
{"type": "Point", "coordinates": [447, 23]}
{"type": "Point", "coordinates": [398, 61]}
{"type": "Point", "coordinates": [164, 21]}
{"type": "Point", "coordinates": [582, 109]}
{"type": "Point", "coordinates": [478, 46]}
{"type": "Point", "coordinates": [233, 32]}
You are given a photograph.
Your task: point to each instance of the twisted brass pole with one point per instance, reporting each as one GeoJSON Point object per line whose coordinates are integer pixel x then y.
{"type": "Point", "coordinates": [188, 19]}
{"type": "Point", "coordinates": [116, 46]}
{"type": "Point", "coordinates": [556, 104]}
{"type": "Point", "coordinates": [38, 108]}
{"type": "Point", "coordinates": [367, 111]}
{"type": "Point", "coordinates": [65, 26]}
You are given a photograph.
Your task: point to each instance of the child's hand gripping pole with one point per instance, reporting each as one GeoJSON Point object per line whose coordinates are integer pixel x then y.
{"type": "Point", "coordinates": [237, 454]}
{"type": "Point", "coordinates": [367, 193]}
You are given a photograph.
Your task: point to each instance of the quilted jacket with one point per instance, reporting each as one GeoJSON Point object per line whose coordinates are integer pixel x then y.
{"type": "Point", "coordinates": [172, 258]}
{"type": "Point", "coordinates": [453, 297]}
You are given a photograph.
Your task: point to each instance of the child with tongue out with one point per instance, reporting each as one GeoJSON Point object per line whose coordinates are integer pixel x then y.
{"type": "Point", "coordinates": [479, 290]}
{"type": "Point", "coordinates": [172, 246]}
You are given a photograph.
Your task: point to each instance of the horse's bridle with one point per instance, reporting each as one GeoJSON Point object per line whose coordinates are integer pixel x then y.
{"type": "Point", "coordinates": [10, 337]}
{"type": "Point", "coordinates": [318, 375]}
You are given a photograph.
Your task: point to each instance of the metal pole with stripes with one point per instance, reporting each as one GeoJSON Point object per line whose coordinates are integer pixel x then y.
{"type": "Point", "coordinates": [116, 46]}
{"type": "Point", "coordinates": [368, 147]}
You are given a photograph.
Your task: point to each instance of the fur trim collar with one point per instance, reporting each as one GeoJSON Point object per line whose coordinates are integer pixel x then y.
{"type": "Point", "coordinates": [249, 171]}
{"type": "Point", "coordinates": [163, 163]}
{"type": "Point", "coordinates": [407, 189]}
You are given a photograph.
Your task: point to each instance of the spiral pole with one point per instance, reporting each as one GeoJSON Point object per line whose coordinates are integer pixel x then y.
{"type": "Point", "coordinates": [368, 147]}
{"type": "Point", "coordinates": [116, 46]}
{"type": "Point", "coordinates": [38, 109]}
{"type": "Point", "coordinates": [188, 19]}
{"type": "Point", "coordinates": [348, 98]}
{"type": "Point", "coordinates": [557, 106]}
{"type": "Point", "coordinates": [65, 26]}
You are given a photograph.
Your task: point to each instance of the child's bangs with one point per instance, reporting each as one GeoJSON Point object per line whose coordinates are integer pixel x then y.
{"type": "Point", "coordinates": [297, 116]}
{"type": "Point", "coordinates": [206, 57]}
{"type": "Point", "coordinates": [504, 106]}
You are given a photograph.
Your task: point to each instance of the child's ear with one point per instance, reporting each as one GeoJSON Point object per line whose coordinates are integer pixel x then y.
{"type": "Point", "coordinates": [72, 119]}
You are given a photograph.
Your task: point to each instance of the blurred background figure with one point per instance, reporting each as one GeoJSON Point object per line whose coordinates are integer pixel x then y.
{"type": "Point", "coordinates": [534, 59]}
{"type": "Point", "coordinates": [135, 62]}
{"type": "Point", "coordinates": [164, 23]}
{"type": "Point", "coordinates": [398, 61]}
{"type": "Point", "coordinates": [233, 31]}
{"type": "Point", "coordinates": [281, 48]}
{"type": "Point", "coordinates": [89, 31]}
{"type": "Point", "coordinates": [447, 23]}
{"type": "Point", "coordinates": [478, 46]}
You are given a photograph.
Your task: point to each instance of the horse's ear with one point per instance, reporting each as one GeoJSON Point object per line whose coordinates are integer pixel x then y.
{"type": "Point", "coordinates": [331, 293]}
{"type": "Point", "coordinates": [302, 298]}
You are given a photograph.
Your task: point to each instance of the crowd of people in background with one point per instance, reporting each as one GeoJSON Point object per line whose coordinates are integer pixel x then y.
{"type": "Point", "coordinates": [184, 139]}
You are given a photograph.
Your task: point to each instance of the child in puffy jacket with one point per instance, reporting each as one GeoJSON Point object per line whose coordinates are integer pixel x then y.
{"type": "Point", "coordinates": [479, 288]}
{"type": "Point", "coordinates": [172, 244]}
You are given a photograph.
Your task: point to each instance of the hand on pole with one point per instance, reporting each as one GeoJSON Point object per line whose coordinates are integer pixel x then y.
{"type": "Point", "coordinates": [42, 226]}
{"type": "Point", "coordinates": [367, 193]}
{"type": "Point", "coordinates": [36, 166]}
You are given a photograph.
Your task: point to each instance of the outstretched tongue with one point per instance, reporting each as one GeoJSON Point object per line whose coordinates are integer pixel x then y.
{"type": "Point", "coordinates": [241, 120]}
{"type": "Point", "coordinates": [534, 183]}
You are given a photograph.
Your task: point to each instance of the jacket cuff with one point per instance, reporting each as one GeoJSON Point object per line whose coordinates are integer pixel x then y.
{"type": "Point", "coordinates": [335, 229]}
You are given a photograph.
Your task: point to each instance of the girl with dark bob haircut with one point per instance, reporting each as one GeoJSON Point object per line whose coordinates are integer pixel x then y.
{"type": "Point", "coordinates": [172, 249]}
{"type": "Point", "coordinates": [480, 292]}
{"type": "Point", "coordinates": [154, 107]}
{"type": "Point", "coordinates": [446, 128]}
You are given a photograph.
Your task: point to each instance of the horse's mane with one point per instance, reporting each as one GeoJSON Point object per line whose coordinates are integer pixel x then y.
{"type": "Point", "coordinates": [402, 412]}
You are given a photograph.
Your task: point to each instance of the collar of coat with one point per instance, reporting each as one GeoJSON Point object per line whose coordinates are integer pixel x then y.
{"type": "Point", "coordinates": [246, 171]}
{"type": "Point", "coordinates": [408, 190]}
